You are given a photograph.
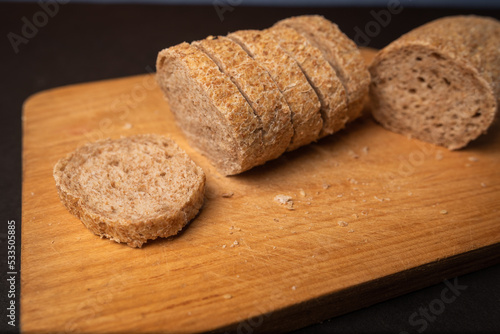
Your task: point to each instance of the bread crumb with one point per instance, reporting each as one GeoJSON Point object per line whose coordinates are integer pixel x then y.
{"type": "Point", "coordinates": [227, 296]}
{"type": "Point", "coordinates": [294, 288]}
{"type": "Point", "coordinates": [224, 246]}
{"type": "Point", "coordinates": [473, 159]}
{"type": "Point", "coordinates": [352, 181]}
{"type": "Point", "coordinates": [355, 215]}
{"type": "Point", "coordinates": [307, 212]}
{"type": "Point", "coordinates": [483, 184]}
{"type": "Point", "coordinates": [189, 313]}
{"type": "Point", "coordinates": [235, 243]}
{"type": "Point", "coordinates": [410, 193]}
{"type": "Point", "coordinates": [443, 212]}
{"type": "Point", "coordinates": [228, 194]}
{"type": "Point", "coordinates": [350, 231]}
{"type": "Point", "coordinates": [326, 186]}
{"type": "Point", "coordinates": [32, 194]}
{"type": "Point", "coordinates": [52, 242]}
{"type": "Point", "coordinates": [378, 199]}
{"type": "Point", "coordinates": [439, 155]}
{"type": "Point", "coordinates": [342, 223]}
{"type": "Point", "coordinates": [365, 150]}
{"type": "Point", "coordinates": [363, 200]}
{"type": "Point", "coordinates": [352, 154]}
{"type": "Point", "coordinates": [312, 255]}
{"type": "Point", "coordinates": [276, 220]}
{"type": "Point", "coordinates": [302, 193]}
{"type": "Point", "coordinates": [210, 37]}
{"type": "Point", "coordinates": [285, 201]}
{"type": "Point", "coordinates": [127, 126]}
{"type": "Point", "coordinates": [231, 227]}
{"type": "Point", "coordinates": [467, 165]}
{"type": "Point", "coordinates": [364, 213]}
{"type": "Point", "coordinates": [340, 195]}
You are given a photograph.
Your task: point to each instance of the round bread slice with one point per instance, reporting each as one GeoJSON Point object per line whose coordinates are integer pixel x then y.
{"type": "Point", "coordinates": [320, 75]}
{"type": "Point", "coordinates": [440, 82]}
{"type": "Point", "coordinates": [300, 96]}
{"type": "Point", "coordinates": [216, 119]}
{"type": "Point", "coordinates": [132, 189]}
{"type": "Point", "coordinates": [342, 54]}
{"type": "Point", "coordinates": [258, 88]}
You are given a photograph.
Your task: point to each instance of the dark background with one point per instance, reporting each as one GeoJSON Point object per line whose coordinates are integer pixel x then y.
{"type": "Point", "coordinates": [85, 42]}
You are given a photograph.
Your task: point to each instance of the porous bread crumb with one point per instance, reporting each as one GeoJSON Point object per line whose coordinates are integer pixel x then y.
{"type": "Point", "coordinates": [294, 288]}
{"type": "Point", "coordinates": [302, 193]}
{"type": "Point", "coordinates": [228, 194]}
{"type": "Point", "coordinates": [352, 181]}
{"type": "Point", "coordinates": [340, 195]}
{"type": "Point", "coordinates": [351, 231]}
{"type": "Point", "coordinates": [364, 213]}
{"type": "Point", "coordinates": [365, 149]}
{"type": "Point", "coordinates": [235, 243]}
{"type": "Point", "coordinates": [231, 227]}
{"type": "Point", "coordinates": [285, 201]}
{"type": "Point", "coordinates": [473, 159]}
{"type": "Point", "coordinates": [326, 186]}
{"type": "Point", "coordinates": [443, 212]}
{"type": "Point", "coordinates": [274, 247]}
{"type": "Point", "coordinates": [227, 296]}
{"type": "Point", "coordinates": [355, 215]}
{"type": "Point", "coordinates": [224, 246]}
{"type": "Point", "coordinates": [378, 199]}
{"type": "Point", "coordinates": [32, 194]}
{"type": "Point", "coordinates": [342, 223]}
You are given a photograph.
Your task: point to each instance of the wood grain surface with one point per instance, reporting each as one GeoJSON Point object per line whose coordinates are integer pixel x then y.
{"type": "Point", "coordinates": [415, 214]}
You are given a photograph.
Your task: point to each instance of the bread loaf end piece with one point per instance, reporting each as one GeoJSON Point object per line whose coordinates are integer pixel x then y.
{"type": "Point", "coordinates": [342, 54]}
{"type": "Point", "coordinates": [131, 190]}
{"type": "Point", "coordinates": [258, 88]}
{"type": "Point", "coordinates": [298, 93]}
{"type": "Point", "coordinates": [440, 82]}
{"type": "Point", "coordinates": [320, 75]}
{"type": "Point", "coordinates": [215, 117]}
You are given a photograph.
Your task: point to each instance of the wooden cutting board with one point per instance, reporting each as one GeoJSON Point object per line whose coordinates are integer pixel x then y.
{"type": "Point", "coordinates": [415, 214]}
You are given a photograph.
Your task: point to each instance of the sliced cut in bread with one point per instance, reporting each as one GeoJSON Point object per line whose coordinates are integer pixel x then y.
{"type": "Point", "coordinates": [300, 96]}
{"type": "Point", "coordinates": [320, 75]}
{"type": "Point", "coordinates": [258, 88]}
{"type": "Point", "coordinates": [342, 54]}
{"type": "Point", "coordinates": [209, 108]}
{"type": "Point", "coordinates": [440, 82]}
{"type": "Point", "coordinates": [131, 190]}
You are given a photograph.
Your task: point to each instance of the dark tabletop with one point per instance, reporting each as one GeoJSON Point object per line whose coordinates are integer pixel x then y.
{"type": "Point", "coordinates": [80, 43]}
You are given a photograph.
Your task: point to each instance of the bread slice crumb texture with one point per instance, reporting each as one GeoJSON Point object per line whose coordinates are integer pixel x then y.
{"type": "Point", "coordinates": [131, 189]}
{"type": "Point", "coordinates": [439, 82]}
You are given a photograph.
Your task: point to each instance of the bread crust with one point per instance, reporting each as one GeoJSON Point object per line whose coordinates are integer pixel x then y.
{"type": "Point", "coordinates": [258, 88]}
{"type": "Point", "coordinates": [320, 75]}
{"type": "Point", "coordinates": [116, 223]}
{"type": "Point", "coordinates": [342, 54]}
{"type": "Point", "coordinates": [467, 45]}
{"type": "Point", "coordinates": [229, 134]}
{"type": "Point", "coordinates": [300, 96]}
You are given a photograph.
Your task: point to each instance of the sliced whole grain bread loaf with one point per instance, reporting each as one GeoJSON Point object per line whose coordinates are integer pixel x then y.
{"type": "Point", "coordinates": [258, 88]}
{"type": "Point", "coordinates": [342, 54]}
{"type": "Point", "coordinates": [131, 190]}
{"type": "Point", "coordinates": [210, 109]}
{"type": "Point", "coordinates": [440, 82]}
{"type": "Point", "coordinates": [300, 96]}
{"type": "Point", "coordinates": [320, 75]}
